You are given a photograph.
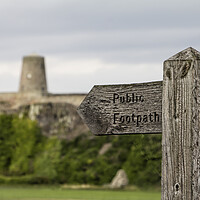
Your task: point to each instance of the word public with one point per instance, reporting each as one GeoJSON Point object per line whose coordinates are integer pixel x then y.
{"type": "Point", "coordinates": [136, 119]}
{"type": "Point", "coordinates": [127, 98]}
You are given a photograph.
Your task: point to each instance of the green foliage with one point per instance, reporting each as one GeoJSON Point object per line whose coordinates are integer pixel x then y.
{"type": "Point", "coordinates": [24, 140]}
{"type": "Point", "coordinates": [46, 162]}
{"type": "Point", "coordinates": [19, 140]}
{"type": "Point", "coordinates": [143, 164]}
{"type": "Point", "coordinates": [6, 132]}
{"type": "Point", "coordinates": [28, 157]}
{"type": "Point", "coordinates": [80, 162]}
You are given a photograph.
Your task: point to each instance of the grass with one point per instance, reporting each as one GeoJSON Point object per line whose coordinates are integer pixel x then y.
{"type": "Point", "coordinates": [57, 193]}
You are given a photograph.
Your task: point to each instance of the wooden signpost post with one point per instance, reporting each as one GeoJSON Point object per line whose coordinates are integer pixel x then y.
{"type": "Point", "coordinates": [171, 107]}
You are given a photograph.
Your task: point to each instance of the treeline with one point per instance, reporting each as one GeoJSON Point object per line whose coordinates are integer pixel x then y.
{"type": "Point", "coordinates": [26, 156]}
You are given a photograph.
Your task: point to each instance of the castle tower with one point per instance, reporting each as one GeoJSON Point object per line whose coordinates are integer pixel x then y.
{"type": "Point", "coordinates": [33, 77]}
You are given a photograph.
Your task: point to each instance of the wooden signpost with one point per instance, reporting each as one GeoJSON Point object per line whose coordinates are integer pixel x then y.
{"type": "Point", "coordinates": [123, 109]}
{"type": "Point", "coordinates": [171, 107]}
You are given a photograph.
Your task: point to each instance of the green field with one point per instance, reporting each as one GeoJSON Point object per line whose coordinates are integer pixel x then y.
{"type": "Point", "coordinates": [57, 193]}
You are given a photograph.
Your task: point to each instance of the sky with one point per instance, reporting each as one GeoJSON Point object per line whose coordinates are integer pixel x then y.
{"type": "Point", "coordinates": [92, 42]}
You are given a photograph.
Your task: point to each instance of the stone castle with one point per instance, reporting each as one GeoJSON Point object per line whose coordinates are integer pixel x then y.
{"type": "Point", "coordinates": [55, 113]}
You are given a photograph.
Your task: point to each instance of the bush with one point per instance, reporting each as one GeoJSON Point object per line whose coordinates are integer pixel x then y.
{"type": "Point", "coordinates": [6, 146]}
{"type": "Point", "coordinates": [18, 145]}
{"type": "Point", "coordinates": [47, 161]}
{"type": "Point", "coordinates": [24, 140]}
{"type": "Point", "coordinates": [143, 164]}
{"type": "Point", "coordinates": [28, 157]}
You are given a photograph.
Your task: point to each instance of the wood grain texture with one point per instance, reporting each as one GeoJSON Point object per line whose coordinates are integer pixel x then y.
{"type": "Point", "coordinates": [181, 123]}
{"type": "Point", "coordinates": [123, 109]}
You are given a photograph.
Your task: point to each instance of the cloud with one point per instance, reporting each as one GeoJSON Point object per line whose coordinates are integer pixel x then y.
{"type": "Point", "coordinates": [76, 67]}
{"type": "Point", "coordinates": [95, 42]}
{"type": "Point", "coordinates": [81, 76]}
{"type": "Point", "coordinates": [11, 68]}
{"type": "Point", "coordinates": [127, 45]}
{"type": "Point", "coordinates": [20, 17]}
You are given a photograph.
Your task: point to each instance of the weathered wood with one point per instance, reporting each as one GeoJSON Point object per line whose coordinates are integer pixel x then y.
{"type": "Point", "coordinates": [181, 123]}
{"type": "Point", "coordinates": [123, 109]}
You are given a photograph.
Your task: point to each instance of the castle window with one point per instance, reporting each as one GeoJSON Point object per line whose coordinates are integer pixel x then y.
{"type": "Point", "coordinates": [29, 76]}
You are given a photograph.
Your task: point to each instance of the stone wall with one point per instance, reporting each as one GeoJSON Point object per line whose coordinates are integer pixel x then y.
{"type": "Point", "coordinates": [56, 114]}
{"type": "Point", "coordinates": [55, 119]}
{"type": "Point", "coordinates": [15, 100]}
